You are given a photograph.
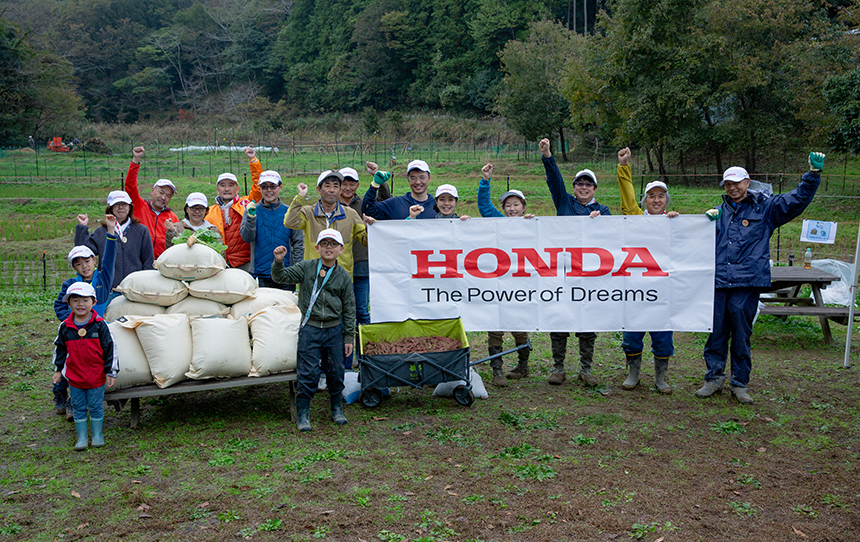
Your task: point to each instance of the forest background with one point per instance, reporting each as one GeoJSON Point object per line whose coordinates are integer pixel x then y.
{"type": "Point", "coordinates": [697, 80]}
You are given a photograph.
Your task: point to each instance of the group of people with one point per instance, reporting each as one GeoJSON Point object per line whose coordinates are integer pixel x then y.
{"type": "Point", "coordinates": [322, 246]}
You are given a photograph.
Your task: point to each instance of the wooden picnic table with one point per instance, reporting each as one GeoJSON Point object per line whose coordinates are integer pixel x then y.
{"type": "Point", "coordinates": [787, 281]}
{"type": "Point", "coordinates": [188, 386]}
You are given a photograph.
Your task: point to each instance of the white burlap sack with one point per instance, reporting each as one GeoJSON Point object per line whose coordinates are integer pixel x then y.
{"type": "Point", "coordinates": [182, 262]}
{"type": "Point", "coordinates": [446, 389]}
{"type": "Point", "coordinates": [121, 306]}
{"type": "Point", "coordinates": [221, 348]}
{"type": "Point", "coordinates": [275, 331]}
{"type": "Point", "coordinates": [263, 297]}
{"type": "Point", "coordinates": [166, 340]}
{"type": "Point", "coordinates": [229, 286]}
{"type": "Point", "coordinates": [194, 306]}
{"type": "Point", "coordinates": [149, 286]}
{"type": "Point", "coordinates": [133, 367]}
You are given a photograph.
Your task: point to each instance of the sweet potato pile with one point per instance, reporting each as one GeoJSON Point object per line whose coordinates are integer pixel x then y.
{"type": "Point", "coordinates": [409, 345]}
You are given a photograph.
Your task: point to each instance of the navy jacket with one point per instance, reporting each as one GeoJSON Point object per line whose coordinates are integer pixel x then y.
{"type": "Point", "coordinates": [565, 204]}
{"type": "Point", "coordinates": [743, 233]}
{"type": "Point", "coordinates": [265, 232]}
{"type": "Point", "coordinates": [395, 208]}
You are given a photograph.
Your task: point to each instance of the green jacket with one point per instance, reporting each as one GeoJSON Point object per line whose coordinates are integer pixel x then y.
{"type": "Point", "coordinates": [335, 303]}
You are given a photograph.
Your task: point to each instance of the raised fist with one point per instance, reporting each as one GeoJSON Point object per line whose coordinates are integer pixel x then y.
{"type": "Point", "coordinates": [624, 156]}
{"type": "Point", "coordinates": [137, 154]}
{"type": "Point", "coordinates": [302, 189]}
{"type": "Point", "coordinates": [543, 145]}
{"type": "Point", "coordinates": [487, 171]}
{"type": "Point", "coordinates": [250, 153]}
{"type": "Point", "coordinates": [280, 253]}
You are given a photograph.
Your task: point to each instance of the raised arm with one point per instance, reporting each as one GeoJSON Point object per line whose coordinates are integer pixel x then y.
{"type": "Point", "coordinates": [485, 205]}
{"type": "Point", "coordinates": [625, 184]}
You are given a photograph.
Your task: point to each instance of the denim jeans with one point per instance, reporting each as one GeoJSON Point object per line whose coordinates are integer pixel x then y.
{"type": "Point", "coordinates": [661, 343]}
{"type": "Point", "coordinates": [734, 311]}
{"type": "Point", "coordinates": [267, 282]}
{"type": "Point", "coordinates": [361, 289]}
{"type": "Point", "coordinates": [317, 344]}
{"type": "Point", "coordinates": [92, 399]}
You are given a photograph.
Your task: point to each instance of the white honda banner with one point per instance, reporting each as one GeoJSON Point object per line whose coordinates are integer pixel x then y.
{"type": "Point", "coordinates": [570, 273]}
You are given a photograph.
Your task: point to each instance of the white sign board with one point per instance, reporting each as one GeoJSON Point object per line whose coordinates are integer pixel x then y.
{"type": "Point", "coordinates": [609, 273]}
{"type": "Point", "coordinates": [817, 231]}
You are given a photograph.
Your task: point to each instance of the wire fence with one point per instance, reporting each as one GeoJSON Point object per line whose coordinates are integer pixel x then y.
{"type": "Point", "coordinates": [33, 273]}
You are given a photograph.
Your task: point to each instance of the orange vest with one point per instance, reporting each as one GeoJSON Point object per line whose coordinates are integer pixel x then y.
{"type": "Point", "coordinates": [238, 251]}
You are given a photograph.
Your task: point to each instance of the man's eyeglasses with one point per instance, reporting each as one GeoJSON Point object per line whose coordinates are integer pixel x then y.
{"type": "Point", "coordinates": [582, 183]}
{"type": "Point", "coordinates": [268, 187]}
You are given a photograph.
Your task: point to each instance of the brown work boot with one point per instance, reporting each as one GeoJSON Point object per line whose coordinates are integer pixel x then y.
{"type": "Point", "coordinates": [588, 379]}
{"type": "Point", "coordinates": [499, 379]}
{"type": "Point", "coordinates": [522, 368]}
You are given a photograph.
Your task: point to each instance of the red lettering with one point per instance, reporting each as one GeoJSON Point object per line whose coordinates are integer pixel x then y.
{"type": "Point", "coordinates": [606, 262]}
{"type": "Point", "coordinates": [424, 264]}
{"type": "Point", "coordinates": [503, 263]}
{"type": "Point", "coordinates": [646, 261]}
{"type": "Point", "coordinates": [543, 269]}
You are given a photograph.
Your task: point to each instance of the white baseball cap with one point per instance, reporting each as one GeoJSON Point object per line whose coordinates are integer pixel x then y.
{"type": "Point", "coordinates": [80, 251]}
{"type": "Point", "coordinates": [196, 198]}
{"type": "Point", "coordinates": [447, 189]}
{"type": "Point", "coordinates": [656, 184]}
{"type": "Point", "coordinates": [586, 173]}
{"type": "Point", "coordinates": [330, 233]}
{"type": "Point", "coordinates": [329, 173]}
{"type": "Point", "coordinates": [417, 164]}
{"type": "Point", "coordinates": [227, 176]}
{"type": "Point", "coordinates": [510, 193]}
{"type": "Point", "coordinates": [734, 174]}
{"type": "Point", "coordinates": [270, 176]}
{"type": "Point", "coordinates": [118, 196]}
{"type": "Point", "coordinates": [349, 172]}
{"type": "Point", "coordinates": [165, 182]}
{"type": "Point", "coordinates": [83, 289]}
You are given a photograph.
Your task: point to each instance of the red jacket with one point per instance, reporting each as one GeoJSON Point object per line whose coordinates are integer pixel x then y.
{"type": "Point", "coordinates": [85, 361]}
{"type": "Point", "coordinates": [144, 212]}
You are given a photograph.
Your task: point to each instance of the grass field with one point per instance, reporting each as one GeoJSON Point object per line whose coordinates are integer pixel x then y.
{"type": "Point", "coordinates": [533, 462]}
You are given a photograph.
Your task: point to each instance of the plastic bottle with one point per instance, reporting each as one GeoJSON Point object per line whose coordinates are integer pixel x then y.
{"type": "Point", "coordinates": [807, 259]}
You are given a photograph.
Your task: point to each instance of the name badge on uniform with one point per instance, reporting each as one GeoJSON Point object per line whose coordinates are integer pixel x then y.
{"type": "Point", "coordinates": [745, 222]}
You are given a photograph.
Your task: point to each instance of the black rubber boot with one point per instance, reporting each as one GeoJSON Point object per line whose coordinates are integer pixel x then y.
{"type": "Point", "coordinates": [586, 355]}
{"type": "Point", "coordinates": [303, 416]}
{"type": "Point", "coordinates": [337, 410]}
{"type": "Point", "coordinates": [559, 351]}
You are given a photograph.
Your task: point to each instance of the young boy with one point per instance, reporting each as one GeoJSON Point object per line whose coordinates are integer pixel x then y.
{"type": "Point", "coordinates": [653, 203]}
{"type": "Point", "coordinates": [580, 203]}
{"type": "Point", "coordinates": [328, 327]}
{"type": "Point", "coordinates": [514, 206]}
{"type": "Point", "coordinates": [83, 261]}
{"type": "Point", "coordinates": [83, 354]}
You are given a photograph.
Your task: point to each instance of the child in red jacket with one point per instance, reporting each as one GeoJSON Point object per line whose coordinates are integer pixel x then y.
{"type": "Point", "coordinates": [84, 353]}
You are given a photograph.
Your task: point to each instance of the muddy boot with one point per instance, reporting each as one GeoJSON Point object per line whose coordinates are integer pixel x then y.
{"type": "Point", "coordinates": [633, 364]}
{"type": "Point", "coordinates": [742, 394]}
{"type": "Point", "coordinates": [559, 351]}
{"type": "Point", "coordinates": [522, 368]}
{"type": "Point", "coordinates": [586, 354]}
{"type": "Point", "coordinates": [60, 402]}
{"type": "Point", "coordinates": [661, 365]}
{"type": "Point", "coordinates": [711, 387]}
{"type": "Point", "coordinates": [496, 364]}
{"type": "Point", "coordinates": [81, 427]}
{"type": "Point", "coordinates": [98, 438]}
{"type": "Point", "coordinates": [303, 416]}
{"type": "Point", "coordinates": [70, 415]}
{"type": "Point", "coordinates": [337, 409]}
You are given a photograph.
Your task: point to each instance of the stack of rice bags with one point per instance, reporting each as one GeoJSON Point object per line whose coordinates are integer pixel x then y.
{"type": "Point", "coordinates": [191, 318]}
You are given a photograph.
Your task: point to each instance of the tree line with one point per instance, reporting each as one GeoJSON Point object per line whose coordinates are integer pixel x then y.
{"type": "Point", "coordinates": [694, 76]}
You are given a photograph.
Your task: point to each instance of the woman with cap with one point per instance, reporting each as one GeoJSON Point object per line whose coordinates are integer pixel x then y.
{"type": "Point", "coordinates": [134, 250]}
{"type": "Point", "coordinates": [514, 205]}
{"type": "Point", "coordinates": [445, 206]}
{"type": "Point", "coordinates": [653, 203]}
{"type": "Point", "coordinates": [196, 207]}
{"type": "Point", "coordinates": [229, 209]}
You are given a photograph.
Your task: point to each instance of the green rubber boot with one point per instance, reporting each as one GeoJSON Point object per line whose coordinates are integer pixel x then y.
{"type": "Point", "coordinates": [559, 351]}
{"type": "Point", "coordinates": [634, 362]}
{"type": "Point", "coordinates": [586, 355]}
{"type": "Point", "coordinates": [98, 439]}
{"type": "Point", "coordinates": [337, 410]}
{"type": "Point", "coordinates": [661, 366]}
{"type": "Point", "coordinates": [81, 427]}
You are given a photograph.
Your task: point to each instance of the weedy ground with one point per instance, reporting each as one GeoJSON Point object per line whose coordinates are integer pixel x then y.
{"type": "Point", "coordinates": [531, 462]}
